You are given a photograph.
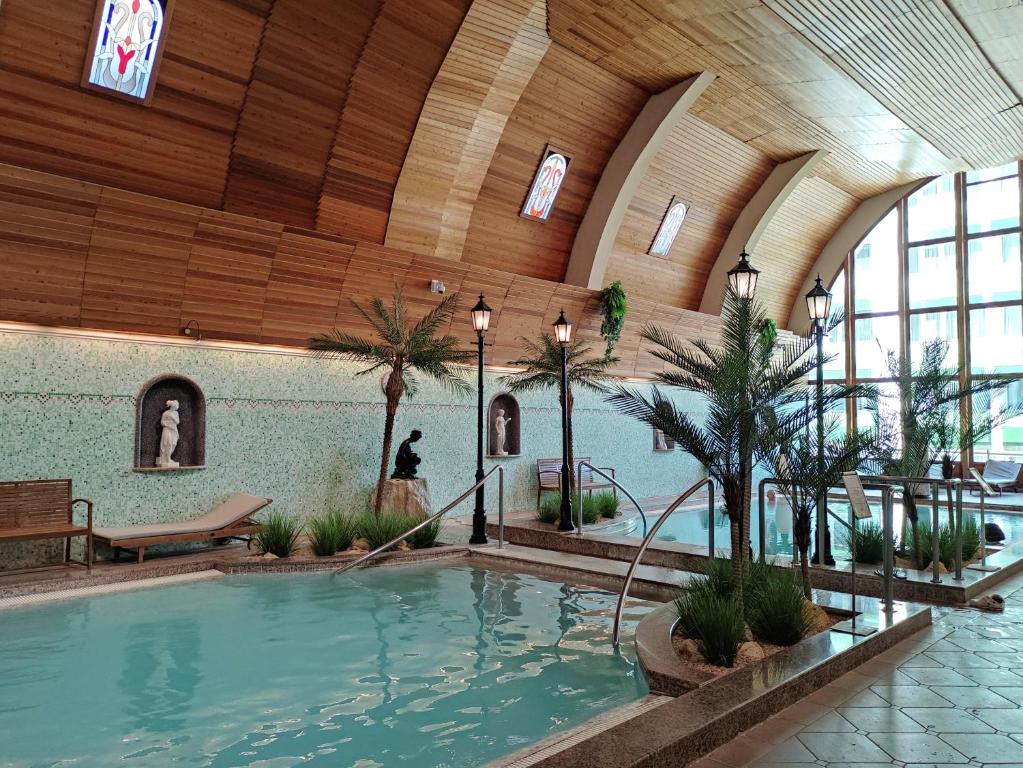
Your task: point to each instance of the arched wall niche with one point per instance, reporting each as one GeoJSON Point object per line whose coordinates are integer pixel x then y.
{"type": "Point", "coordinates": [153, 397]}
{"type": "Point", "coordinates": [509, 407]}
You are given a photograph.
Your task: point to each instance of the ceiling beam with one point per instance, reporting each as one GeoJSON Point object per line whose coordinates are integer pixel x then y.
{"type": "Point", "coordinates": [846, 238]}
{"type": "Point", "coordinates": [753, 221]}
{"type": "Point", "coordinates": [622, 175]}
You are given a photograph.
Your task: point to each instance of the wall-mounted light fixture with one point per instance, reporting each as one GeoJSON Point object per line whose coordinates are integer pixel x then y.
{"type": "Point", "coordinates": [436, 286]}
{"type": "Point", "coordinates": [192, 329]}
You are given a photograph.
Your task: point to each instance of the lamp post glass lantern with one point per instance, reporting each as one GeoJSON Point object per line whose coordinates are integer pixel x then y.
{"type": "Point", "coordinates": [563, 333]}
{"type": "Point", "coordinates": [480, 315]}
{"type": "Point", "coordinates": [818, 306]}
{"type": "Point", "coordinates": [743, 277]}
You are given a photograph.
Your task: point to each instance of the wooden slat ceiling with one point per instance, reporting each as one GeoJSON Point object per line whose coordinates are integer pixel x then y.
{"type": "Point", "coordinates": [779, 92]}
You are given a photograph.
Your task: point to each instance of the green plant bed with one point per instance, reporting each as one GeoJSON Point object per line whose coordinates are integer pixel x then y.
{"type": "Point", "coordinates": [389, 525]}
{"type": "Point", "coordinates": [278, 534]}
{"type": "Point", "coordinates": [922, 551]}
{"type": "Point", "coordinates": [869, 539]}
{"type": "Point", "coordinates": [602, 504]}
{"type": "Point", "coordinates": [331, 533]}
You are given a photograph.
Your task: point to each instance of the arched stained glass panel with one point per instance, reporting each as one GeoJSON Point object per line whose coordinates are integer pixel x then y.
{"type": "Point", "coordinates": [126, 46]}
{"type": "Point", "coordinates": [546, 185]}
{"type": "Point", "coordinates": [670, 225]}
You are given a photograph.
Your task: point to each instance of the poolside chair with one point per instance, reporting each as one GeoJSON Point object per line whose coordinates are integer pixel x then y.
{"type": "Point", "coordinates": [1001, 475]}
{"type": "Point", "coordinates": [228, 520]}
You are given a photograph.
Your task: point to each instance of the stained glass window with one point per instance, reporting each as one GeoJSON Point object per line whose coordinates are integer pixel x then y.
{"type": "Point", "coordinates": [126, 46]}
{"type": "Point", "coordinates": [670, 225]}
{"type": "Point", "coordinates": [546, 184]}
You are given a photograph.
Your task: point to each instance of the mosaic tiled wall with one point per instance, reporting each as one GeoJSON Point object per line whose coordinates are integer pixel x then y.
{"type": "Point", "coordinates": [302, 430]}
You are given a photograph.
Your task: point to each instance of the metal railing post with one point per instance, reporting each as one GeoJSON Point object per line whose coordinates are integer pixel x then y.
{"type": "Point", "coordinates": [579, 485]}
{"type": "Point", "coordinates": [935, 535]}
{"type": "Point", "coordinates": [762, 517]}
{"type": "Point", "coordinates": [958, 529]}
{"type": "Point", "coordinates": [710, 517]}
{"type": "Point", "coordinates": [630, 574]}
{"type": "Point", "coordinates": [500, 507]}
{"type": "Point", "coordinates": [888, 526]}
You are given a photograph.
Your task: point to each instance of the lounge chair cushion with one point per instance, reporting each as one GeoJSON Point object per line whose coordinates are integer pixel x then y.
{"type": "Point", "coordinates": [1000, 473]}
{"type": "Point", "coordinates": [237, 507]}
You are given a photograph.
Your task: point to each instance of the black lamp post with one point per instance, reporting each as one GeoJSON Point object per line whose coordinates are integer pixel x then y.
{"type": "Point", "coordinates": [743, 277]}
{"type": "Point", "coordinates": [563, 334]}
{"type": "Point", "coordinates": [480, 322]}
{"type": "Point", "coordinates": [818, 305]}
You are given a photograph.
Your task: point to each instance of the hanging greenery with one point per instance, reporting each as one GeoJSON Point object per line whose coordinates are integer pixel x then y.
{"type": "Point", "coordinates": [613, 306]}
{"type": "Point", "coordinates": [768, 332]}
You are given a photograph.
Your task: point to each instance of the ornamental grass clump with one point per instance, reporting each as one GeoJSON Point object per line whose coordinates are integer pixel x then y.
{"type": "Point", "coordinates": [775, 606]}
{"type": "Point", "coordinates": [331, 533]}
{"type": "Point", "coordinates": [920, 543]}
{"type": "Point", "coordinates": [712, 620]}
{"type": "Point", "coordinates": [869, 542]}
{"type": "Point", "coordinates": [390, 524]}
{"type": "Point", "coordinates": [607, 503]}
{"type": "Point", "coordinates": [550, 508]}
{"type": "Point", "coordinates": [278, 534]}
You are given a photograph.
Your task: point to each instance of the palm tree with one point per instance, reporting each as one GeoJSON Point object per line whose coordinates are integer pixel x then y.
{"type": "Point", "coordinates": [805, 478]}
{"type": "Point", "coordinates": [919, 423]}
{"type": "Point", "coordinates": [754, 385]}
{"type": "Point", "coordinates": [542, 370]}
{"type": "Point", "coordinates": [402, 349]}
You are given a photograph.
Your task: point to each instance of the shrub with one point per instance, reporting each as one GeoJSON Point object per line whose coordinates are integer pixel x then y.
{"type": "Point", "coordinates": [331, 532]}
{"type": "Point", "coordinates": [869, 539]}
{"type": "Point", "coordinates": [713, 620]}
{"type": "Point", "coordinates": [426, 536]}
{"type": "Point", "coordinates": [718, 571]}
{"type": "Point", "coordinates": [389, 525]}
{"type": "Point", "coordinates": [774, 607]}
{"type": "Point", "coordinates": [608, 504]}
{"type": "Point", "coordinates": [550, 508]}
{"type": "Point", "coordinates": [946, 545]}
{"type": "Point", "coordinates": [278, 534]}
{"type": "Point", "coordinates": [971, 538]}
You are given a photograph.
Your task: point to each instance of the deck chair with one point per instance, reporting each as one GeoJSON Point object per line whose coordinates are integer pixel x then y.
{"type": "Point", "coordinates": [229, 519]}
{"type": "Point", "coordinates": [1001, 474]}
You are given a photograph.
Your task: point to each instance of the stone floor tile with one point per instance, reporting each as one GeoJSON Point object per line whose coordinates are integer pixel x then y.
{"type": "Point", "coordinates": [880, 719]}
{"type": "Point", "coordinates": [863, 765]}
{"type": "Point", "coordinates": [789, 751]}
{"type": "Point", "coordinates": [940, 676]}
{"type": "Point", "coordinates": [1004, 660]}
{"type": "Point", "coordinates": [856, 682]}
{"type": "Point", "coordinates": [761, 764]}
{"type": "Point", "coordinates": [847, 747]}
{"type": "Point", "coordinates": [1002, 677]}
{"type": "Point", "coordinates": [831, 695]}
{"type": "Point", "coordinates": [973, 696]}
{"type": "Point", "coordinates": [776, 729]}
{"type": "Point", "coordinates": [910, 696]}
{"type": "Point", "coordinates": [808, 711]}
{"type": "Point", "coordinates": [833, 722]}
{"type": "Point", "coordinates": [986, 644]}
{"type": "Point", "coordinates": [947, 646]}
{"type": "Point", "coordinates": [961, 660]}
{"type": "Point", "coordinates": [918, 748]}
{"type": "Point", "coordinates": [1006, 720]}
{"type": "Point", "coordinates": [945, 720]}
{"type": "Point", "coordinates": [741, 750]}
{"type": "Point", "coordinates": [921, 660]}
{"type": "Point", "coordinates": [1012, 693]}
{"type": "Point", "coordinates": [986, 747]}
{"type": "Point", "coordinates": [706, 762]}
{"type": "Point", "coordinates": [865, 699]}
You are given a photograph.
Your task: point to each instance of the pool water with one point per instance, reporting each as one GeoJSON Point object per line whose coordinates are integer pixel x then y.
{"type": "Point", "coordinates": [689, 526]}
{"type": "Point", "coordinates": [431, 665]}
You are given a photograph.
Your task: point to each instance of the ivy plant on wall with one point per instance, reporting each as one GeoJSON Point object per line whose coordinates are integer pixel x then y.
{"type": "Point", "coordinates": [613, 307]}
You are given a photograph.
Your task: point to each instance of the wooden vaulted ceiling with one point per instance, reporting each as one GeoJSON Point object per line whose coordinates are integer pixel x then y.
{"type": "Point", "coordinates": [298, 153]}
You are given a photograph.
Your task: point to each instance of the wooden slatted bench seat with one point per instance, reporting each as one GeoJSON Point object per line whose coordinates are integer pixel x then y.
{"type": "Point", "coordinates": [43, 509]}
{"type": "Point", "coordinates": [548, 477]}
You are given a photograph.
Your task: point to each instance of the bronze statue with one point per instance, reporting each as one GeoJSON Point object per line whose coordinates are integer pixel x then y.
{"type": "Point", "coordinates": [406, 461]}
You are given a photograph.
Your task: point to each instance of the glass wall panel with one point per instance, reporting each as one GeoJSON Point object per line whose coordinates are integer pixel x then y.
{"type": "Point", "coordinates": [931, 211]}
{"type": "Point", "coordinates": [1009, 169]}
{"type": "Point", "coordinates": [875, 337]}
{"type": "Point", "coordinates": [876, 267]}
{"type": "Point", "coordinates": [928, 326]}
{"type": "Point", "coordinates": [887, 406]}
{"type": "Point", "coordinates": [996, 339]}
{"type": "Point", "coordinates": [932, 276]}
{"type": "Point", "coordinates": [1006, 440]}
{"type": "Point", "coordinates": [994, 268]}
{"type": "Point", "coordinates": [992, 205]}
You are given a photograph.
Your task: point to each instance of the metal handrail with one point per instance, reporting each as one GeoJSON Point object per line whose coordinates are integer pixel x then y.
{"type": "Point", "coordinates": [614, 482]}
{"type": "Point", "coordinates": [500, 520]}
{"type": "Point", "coordinates": [616, 632]}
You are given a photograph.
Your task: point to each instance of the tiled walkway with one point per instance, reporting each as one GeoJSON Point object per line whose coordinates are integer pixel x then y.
{"type": "Point", "coordinates": [946, 697]}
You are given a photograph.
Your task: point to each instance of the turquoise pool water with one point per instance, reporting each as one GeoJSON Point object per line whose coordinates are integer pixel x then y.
{"type": "Point", "coordinates": [424, 666]}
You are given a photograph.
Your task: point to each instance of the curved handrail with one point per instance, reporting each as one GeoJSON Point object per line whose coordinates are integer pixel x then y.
{"type": "Point", "coordinates": [615, 483]}
{"type": "Point", "coordinates": [437, 515]}
{"type": "Point", "coordinates": [616, 632]}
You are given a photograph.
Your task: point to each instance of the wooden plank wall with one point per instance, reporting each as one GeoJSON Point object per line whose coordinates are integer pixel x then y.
{"type": "Point", "coordinates": [404, 50]}
{"type": "Point", "coordinates": [77, 254]}
{"type": "Point", "coordinates": [489, 64]}
{"type": "Point", "coordinates": [793, 240]}
{"type": "Point", "coordinates": [715, 175]}
{"type": "Point", "coordinates": [178, 148]}
{"type": "Point", "coordinates": [299, 84]}
{"type": "Point", "coordinates": [582, 110]}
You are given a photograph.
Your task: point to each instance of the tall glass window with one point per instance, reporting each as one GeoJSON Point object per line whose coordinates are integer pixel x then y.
{"type": "Point", "coordinates": [945, 263]}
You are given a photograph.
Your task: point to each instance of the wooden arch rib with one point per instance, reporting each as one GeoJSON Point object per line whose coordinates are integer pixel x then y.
{"type": "Point", "coordinates": [491, 60]}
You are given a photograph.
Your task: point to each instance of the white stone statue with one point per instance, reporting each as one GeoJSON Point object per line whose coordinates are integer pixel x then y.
{"type": "Point", "coordinates": [659, 442]}
{"type": "Point", "coordinates": [169, 421]}
{"type": "Point", "coordinates": [500, 428]}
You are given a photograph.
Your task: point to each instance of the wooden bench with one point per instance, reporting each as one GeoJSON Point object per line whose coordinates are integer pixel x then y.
{"type": "Point", "coordinates": [43, 509]}
{"type": "Point", "coordinates": [548, 477]}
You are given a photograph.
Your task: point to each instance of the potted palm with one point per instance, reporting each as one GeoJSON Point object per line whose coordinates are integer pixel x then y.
{"type": "Point", "coordinates": [402, 349]}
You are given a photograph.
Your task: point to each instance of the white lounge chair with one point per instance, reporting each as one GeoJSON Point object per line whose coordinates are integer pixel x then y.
{"type": "Point", "coordinates": [1001, 474]}
{"type": "Point", "coordinates": [229, 519]}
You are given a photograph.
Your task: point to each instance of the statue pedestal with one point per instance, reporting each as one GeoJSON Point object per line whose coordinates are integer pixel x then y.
{"type": "Point", "coordinates": [409, 496]}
